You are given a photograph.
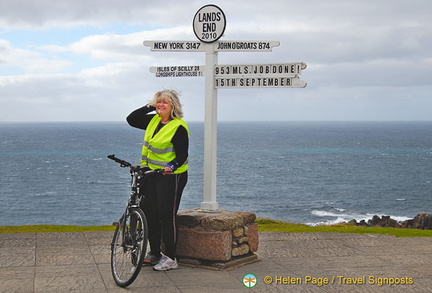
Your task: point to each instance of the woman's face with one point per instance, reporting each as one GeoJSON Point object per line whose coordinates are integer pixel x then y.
{"type": "Point", "coordinates": [164, 107]}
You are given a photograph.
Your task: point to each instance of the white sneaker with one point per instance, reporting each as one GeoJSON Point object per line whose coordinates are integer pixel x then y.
{"type": "Point", "coordinates": [166, 264]}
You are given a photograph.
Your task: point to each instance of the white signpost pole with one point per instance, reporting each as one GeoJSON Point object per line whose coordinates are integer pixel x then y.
{"type": "Point", "coordinates": [209, 25]}
{"type": "Point", "coordinates": [210, 132]}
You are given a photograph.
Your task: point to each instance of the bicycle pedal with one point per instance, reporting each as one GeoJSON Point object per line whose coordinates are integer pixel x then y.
{"type": "Point", "coordinates": [115, 224]}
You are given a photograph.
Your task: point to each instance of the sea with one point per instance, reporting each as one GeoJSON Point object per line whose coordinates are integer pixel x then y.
{"type": "Point", "coordinates": [300, 172]}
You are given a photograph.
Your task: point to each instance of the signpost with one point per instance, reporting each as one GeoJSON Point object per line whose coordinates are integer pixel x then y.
{"type": "Point", "coordinates": [245, 46]}
{"type": "Point", "coordinates": [259, 81]}
{"type": "Point", "coordinates": [175, 46]}
{"type": "Point", "coordinates": [209, 26]}
{"type": "Point", "coordinates": [209, 23]}
{"type": "Point", "coordinates": [178, 71]}
{"type": "Point", "coordinates": [259, 75]}
{"type": "Point", "coordinates": [217, 46]}
{"type": "Point", "coordinates": [291, 69]}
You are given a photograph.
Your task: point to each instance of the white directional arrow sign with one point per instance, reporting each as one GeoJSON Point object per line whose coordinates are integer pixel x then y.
{"type": "Point", "coordinates": [245, 46]}
{"type": "Point", "coordinates": [178, 71]}
{"type": "Point", "coordinates": [218, 46]}
{"type": "Point", "coordinates": [259, 75]}
{"type": "Point", "coordinates": [284, 69]}
{"type": "Point", "coordinates": [258, 81]}
{"type": "Point", "coordinates": [176, 46]}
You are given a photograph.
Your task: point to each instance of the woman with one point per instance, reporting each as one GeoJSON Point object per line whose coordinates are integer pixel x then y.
{"type": "Point", "coordinates": [166, 144]}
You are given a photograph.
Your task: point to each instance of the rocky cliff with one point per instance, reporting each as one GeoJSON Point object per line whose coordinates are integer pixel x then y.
{"type": "Point", "coordinates": [421, 221]}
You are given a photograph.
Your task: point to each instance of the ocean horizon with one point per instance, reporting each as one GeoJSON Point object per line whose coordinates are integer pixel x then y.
{"type": "Point", "coordinates": [311, 172]}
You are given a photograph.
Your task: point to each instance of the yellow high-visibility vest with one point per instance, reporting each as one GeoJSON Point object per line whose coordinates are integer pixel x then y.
{"type": "Point", "coordinates": [157, 151]}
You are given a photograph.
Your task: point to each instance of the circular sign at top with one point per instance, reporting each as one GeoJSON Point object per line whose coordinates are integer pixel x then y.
{"type": "Point", "coordinates": [209, 23]}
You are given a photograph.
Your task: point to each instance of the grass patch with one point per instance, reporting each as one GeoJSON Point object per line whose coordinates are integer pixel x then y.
{"type": "Point", "coordinates": [264, 225]}
{"type": "Point", "coordinates": [268, 225]}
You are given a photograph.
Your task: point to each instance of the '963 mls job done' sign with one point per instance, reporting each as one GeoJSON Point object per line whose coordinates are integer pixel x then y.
{"type": "Point", "coordinates": [209, 23]}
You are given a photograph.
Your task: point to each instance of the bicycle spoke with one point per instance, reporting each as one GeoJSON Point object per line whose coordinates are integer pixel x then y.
{"type": "Point", "coordinates": [128, 248]}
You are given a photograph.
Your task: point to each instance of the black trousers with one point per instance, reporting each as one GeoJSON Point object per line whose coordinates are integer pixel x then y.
{"type": "Point", "coordinates": [162, 194]}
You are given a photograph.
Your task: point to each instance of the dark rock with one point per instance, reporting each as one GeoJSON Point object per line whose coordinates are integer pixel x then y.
{"type": "Point", "coordinates": [374, 221]}
{"type": "Point", "coordinates": [385, 221]}
{"type": "Point", "coordinates": [353, 222]}
{"type": "Point", "coordinates": [421, 221]}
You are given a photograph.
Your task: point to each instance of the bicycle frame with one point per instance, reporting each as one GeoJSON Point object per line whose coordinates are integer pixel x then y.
{"type": "Point", "coordinates": [133, 202]}
{"type": "Point", "coordinates": [130, 237]}
{"type": "Point", "coordinates": [138, 176]}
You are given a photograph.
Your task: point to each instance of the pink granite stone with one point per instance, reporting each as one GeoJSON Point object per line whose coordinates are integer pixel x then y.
{"type": "Point", "coordinates": [204, 245]}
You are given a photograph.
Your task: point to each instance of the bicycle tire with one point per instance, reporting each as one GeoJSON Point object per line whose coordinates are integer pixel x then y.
{"type": "Point", "coordinates": [128, 247]}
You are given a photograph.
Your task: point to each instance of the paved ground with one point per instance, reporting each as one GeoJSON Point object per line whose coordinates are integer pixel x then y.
{"type": "Point", "coordinates": [80, 262]}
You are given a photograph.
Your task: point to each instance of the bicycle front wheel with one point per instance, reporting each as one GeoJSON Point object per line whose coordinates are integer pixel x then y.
{"type": "Point", "coordinates": [128, 247]}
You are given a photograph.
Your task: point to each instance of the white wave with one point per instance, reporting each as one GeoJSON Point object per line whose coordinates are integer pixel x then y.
{"type": "Point", "coordinates": [400, 218]}
{"type": "Point", "coordinates": [333, 214]}
{"type": "Point", "coordinates": [335, 217]}
{"type": "Point", "coordinates": [328, 222]}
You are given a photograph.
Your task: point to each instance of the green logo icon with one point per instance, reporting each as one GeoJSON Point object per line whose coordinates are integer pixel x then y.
{"type": "Point", "coordinates": [249, 280]}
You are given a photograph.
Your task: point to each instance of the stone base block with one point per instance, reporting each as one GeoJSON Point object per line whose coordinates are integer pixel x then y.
{"type": "Point", "coordinates": [218, 239]}
{"type": "Point", "coordinates": [232, 264]}
{"type": "Point", "coordinates": [204, 245]}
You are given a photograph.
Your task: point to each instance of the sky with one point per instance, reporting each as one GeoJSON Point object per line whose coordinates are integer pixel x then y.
{"type": "Point", "coordinates": [367, 60]}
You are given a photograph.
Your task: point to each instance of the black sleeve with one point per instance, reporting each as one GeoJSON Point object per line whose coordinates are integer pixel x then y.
{"type": "Point", "coordinates": [180, 141]}
{"type": "Point", "coordinates": [140, 117]}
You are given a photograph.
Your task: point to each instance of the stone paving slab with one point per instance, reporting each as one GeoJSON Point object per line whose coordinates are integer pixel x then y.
{"type": "Point", "coordinates": [288, 262]}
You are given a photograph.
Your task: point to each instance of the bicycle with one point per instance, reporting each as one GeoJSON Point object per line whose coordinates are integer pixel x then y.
{"type": "Point", "coordinates": [129, 244]}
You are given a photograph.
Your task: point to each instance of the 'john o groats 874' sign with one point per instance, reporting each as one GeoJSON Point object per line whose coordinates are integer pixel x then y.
{"type": "Point", "coordinates": [209, 23]}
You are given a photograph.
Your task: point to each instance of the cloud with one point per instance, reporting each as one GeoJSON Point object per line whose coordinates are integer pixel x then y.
{"type": "Point", "coordinates": [46, 13]}
{"type": "Point", "coordinates": [28, 60]}
{"type": "Point", "coordinates": [367, 60]}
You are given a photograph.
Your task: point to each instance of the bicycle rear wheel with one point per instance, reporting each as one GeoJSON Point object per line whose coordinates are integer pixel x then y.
{"type": "Point", "coordinates": [128, 247]}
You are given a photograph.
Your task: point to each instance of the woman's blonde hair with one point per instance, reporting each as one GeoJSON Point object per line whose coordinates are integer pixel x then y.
{"type": "Point", "coordinates": [173, 97]}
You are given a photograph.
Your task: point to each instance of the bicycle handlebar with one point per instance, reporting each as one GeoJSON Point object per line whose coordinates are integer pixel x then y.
{"type": "Point", "coordinates": [121, 162]}
{"type": "Point", "coordinates": [124, 164]}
